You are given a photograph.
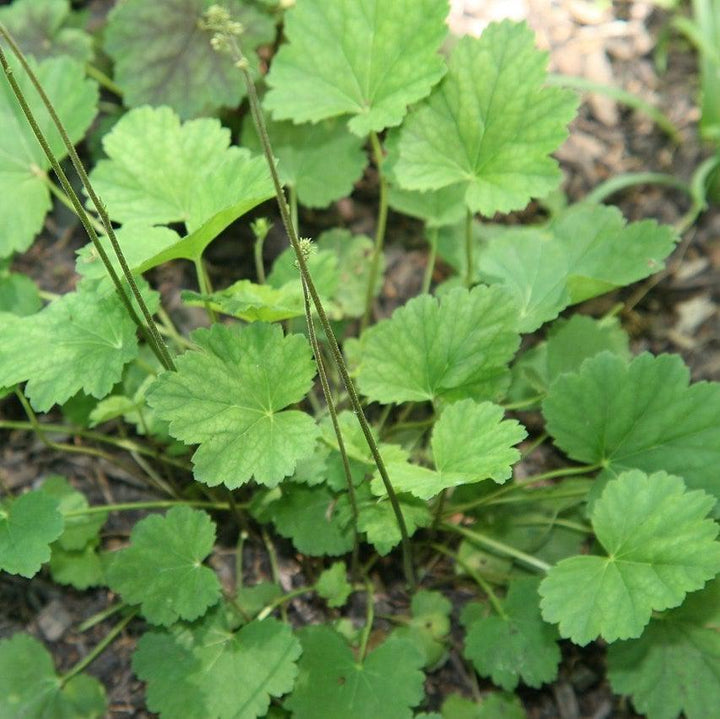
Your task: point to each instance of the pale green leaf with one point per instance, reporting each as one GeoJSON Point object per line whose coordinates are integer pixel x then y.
{"type": "Point", "coordinates": [80, 341]}
{"type": "Point", "coordinates": [518, 645]}
{"type": "Point", "coordinates": [674, 667]}
{"type": "Point", "coordinates": [470, 442]}
{"type": "Point", "coordinates": [333, 585]}
{"type": "Point", "coordinates": [28, 524]}
{"type": "Point", "coordinates": [214, 671]}
{"type": "Point", "coordinates": [80, 568]}
{"type": "Point", "coordinates": [162, 568]}
{"type": "Point", "coordinates": [452, 348]}
{"type": "Point", "coordinates": [359, 58]}
{"type": "Point", "coordinates": [39, 27]}
{"type": "Point", "coordinates": [490, 125]}
{"type": "Point", "coordinates": [18, 294]}
{"type": "Point", "coordinates": [435, 207]}
{"type": "Point", "coordinates": [229, 396]}
{"type": "Point", "coordinates": [320, 162]}
{"type": "Point", "coordinates": [332, 683]}
{"type": "Point", "coordinates": [24, 196]}
{"type": "Point", "coordinates": [161, 171]}
{"type": "Point", "coordinates": [163, 54]}
{"type": "Point", "coordinates": [31, 689]}
{"type": "Point", "coordinates": [429, 626]}
{"type": "Point", "coordinates": [642, 415]}
{"type": "Point", "coordinates": [659, 545]}
{"type": "Point", "coordinates": [493, 706]}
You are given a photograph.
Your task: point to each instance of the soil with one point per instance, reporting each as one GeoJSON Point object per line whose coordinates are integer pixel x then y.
{"type": "Point", "coordinates": [675, 312]}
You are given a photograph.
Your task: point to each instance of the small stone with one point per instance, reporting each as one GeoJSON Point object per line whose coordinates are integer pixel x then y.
{"type": "Point", "coordinates": [53, 620]}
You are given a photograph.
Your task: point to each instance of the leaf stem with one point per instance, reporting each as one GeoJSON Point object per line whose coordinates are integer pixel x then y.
{"type": "Point", "coordinates": [379, 230]}
{"type": "Point", "coordinates": [204, 287]}
{"type": "Point", "coordinates": [160, 504]}
{"type": "Point", "coordinates": [268, 609]}
{"type": "Point", "coordinates": [499, 547]}
{"type": "Point", "coordinates": [369, 619]}
{"type": "Point", "coordinates": [65, 200]}
{"type": "Point", "coordinates": [432, 255]}
{"type": "Point", "coordinates": [99, 648]}
{"type": "Point", "coordinates": [148, 328]}
{"type": "Point", "coordinates": [102, 79]}
{"type": "Point", "coordinates": [324, 321]}
{"type": "Point", "coordinates": [98, 617]}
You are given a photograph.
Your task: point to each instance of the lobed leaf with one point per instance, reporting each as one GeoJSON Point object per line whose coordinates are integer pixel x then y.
{"type": "Point", "coordinates": [228, 396]}
{"type": "Point", "coordinates": [31, 689]}
{"type": "Point", "coordinates": [333, 585]}
{"type": "Point", "coordinates": [517, 645]}
{"type": "Point", "coordinates": [490, 125]}
{"type": "Point", "coordinates": [162, 568]}
{"type": "Point", "coordinates": [673, 667]}
{"type": "Point", "coordinates": [213, 671]}
{"type": "Point", "coordinates": [331, 683]}
{"type": "Point", "coordinates": [659, 545]}
{"type": "Point", "coordinates": [359, 58]}
{"type": "Point", "coordinates": [163, 54]}
{"type": "Point", "coordinates": [642, 415]}
{"type": "Point", "coordinates": [28, 525]}
{"type": "Point", "coordinates": [453, 348]}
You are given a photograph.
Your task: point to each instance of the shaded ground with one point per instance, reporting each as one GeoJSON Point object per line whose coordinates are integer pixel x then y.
{"type": "Point", "coordinates": [678, 313]}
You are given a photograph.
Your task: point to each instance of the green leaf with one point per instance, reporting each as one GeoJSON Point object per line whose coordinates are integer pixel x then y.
{"type": "Point", "coordinates": [80, 568]}
{"type": "Point", "coordinates": [18, 294]}
{"type": "Point", "coordinates": [227, 397]}
{"type": "Point", "coordinates": [673, 667]}
{"type": "Point", "coordinates": [161, 171]}
{"type": "Point", "coordinates": [518, 645]}
{"type": "Point", "coordinates": [79, 530]}
{"type": "Point", "coordinates": [37, 27]}
{"type": "Point", "coordinates": [24, 196]}
{"type": "Point", "coordinates": [435, 207]}
{"type": "Point", "coordinates": [334, 586]}
{"type": "Point", "coordinates": [80, 341]}
{"type": "Point", "coordinates": [320, 162]}
{"type": "Point", "coordinates": [470, 442]}
{"type": "Point", "coordinates": [212, 671]}
{"type": "Point", "coordinates": [331, 683]}
{"type": "Point", "coordinates": [139, 242]}
{"type": "Point", "coordinates": [359, 58]}
{"type": "Point", "coordinates": [30, 688]}
{"type": "Point", "coordinates": [451, 348]}
{"type": "Point", "coordinates": [162, 568]}
{"type": "Point", "coordinates": [308, 517]}
{"type": "Point", "coordinates": [163, 54]}
{"type": "Point", "coordinates": [642, 415]}
{"type": "Point", "coordinates": [490, 125]}
{"type": "Point", "coordinates": [429, 627]}
{"type": "Point", "coordinates": [659, 547]}
{"type": "Point", "coordinates": [28, 524]}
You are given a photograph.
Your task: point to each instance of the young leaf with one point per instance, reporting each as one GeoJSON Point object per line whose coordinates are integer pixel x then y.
{"type": "Point", "coordinates": [334, 586]}
{"type": "Point", "coordinates": [640, 415]}
{"type": "Point", "coordinates": [77, 531]}
{"type": "Point", "coordinates": [517, 646]}
{"type": "Point", "coordinates": [321, 162]}
{"type": "Point", "coordinates": [161, 171]}
{"type": "Point", "coordinates": [659, 545]}
{"type": "Point", "coordinates": [228, 396]}
{"type": "Point", "coordinates": [24, 196]}
{"type": "Point", "coordinates": [163, 54]}
{"type": "Point", "coordinates": [673, 667]}
{"type": "Point", "coordinates": [18, 294]}
{"type": "Point", "coordinates": [162, 568]}
{"type": "Point", "coordinates": [80, 568]}
{"type": "Point", "coordinates": [309, 518]}
{"type": "Point", "coordinates": [470, 442]}
{"type": "Point", "coordinates": [435, 207]}
{"type": "Point", "coordinates": [81, 341]}
{"type": "Point", "coordinates": [359, 58]}
{"type": "Point", "coordinates": [451, 348]}
{"type": "Point", "coordinates": [28, 524]}
{"type": "Point", "coordinates": [37, 27]}
{"type": "Point", "coordinates": [489, 125]}
{"type": "Point", "coordinates": [210, 670]}
{"type": "Point", "coordinates": [429, 626]}
{"type": "Point", "coordinates": [30, 688]}
{"type": "Point", "coordinates": [494, 706]}
{"type": "Point", "coordinates": [331, 683]}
